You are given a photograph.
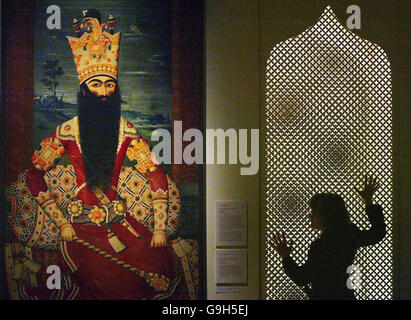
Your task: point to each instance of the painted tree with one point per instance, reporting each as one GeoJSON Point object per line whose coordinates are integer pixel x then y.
{"type": "Point", "coordinates": [52, 72]}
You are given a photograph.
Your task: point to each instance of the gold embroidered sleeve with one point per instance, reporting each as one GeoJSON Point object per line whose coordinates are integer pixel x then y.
{"type": "Point", "coordinates": [49, 206]}
{"type": "Point", "coordinates": [44, 159]}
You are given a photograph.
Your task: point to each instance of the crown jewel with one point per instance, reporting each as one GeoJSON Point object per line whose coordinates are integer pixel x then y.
{"type": "Point", "coordinates": [96, 51]}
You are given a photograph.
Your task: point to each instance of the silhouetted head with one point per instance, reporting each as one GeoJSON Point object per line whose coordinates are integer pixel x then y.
{"type": "Point", "coordinates": [328, 210]}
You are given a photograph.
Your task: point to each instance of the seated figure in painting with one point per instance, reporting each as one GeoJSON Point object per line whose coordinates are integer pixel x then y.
{"type": "Point", "coordinates": [108, 221]}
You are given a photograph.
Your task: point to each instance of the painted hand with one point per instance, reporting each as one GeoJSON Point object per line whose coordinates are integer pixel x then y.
{"type": "Point", "coordinates": [67, 233]}
{"type": "Point", "coordinates": [158, 240]}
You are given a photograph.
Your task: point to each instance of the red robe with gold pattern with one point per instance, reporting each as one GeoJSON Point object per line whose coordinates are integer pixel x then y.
{"type": "Point", "coordinates": [96, 276]}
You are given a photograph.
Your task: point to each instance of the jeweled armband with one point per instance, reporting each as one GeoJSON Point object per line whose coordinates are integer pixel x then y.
{"type": "Point", "coordinates": [139, 151]}
{"type": "Point", "coordinates": [51, 150]}
{"type": "Point", "coordinates": [160, 202]}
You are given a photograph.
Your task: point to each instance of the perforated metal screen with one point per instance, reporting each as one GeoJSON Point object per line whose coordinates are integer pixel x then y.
{"type": "Point", "coordinates": [328, 111]}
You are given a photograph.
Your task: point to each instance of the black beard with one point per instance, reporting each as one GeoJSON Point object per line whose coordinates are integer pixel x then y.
{"type": "Point", "coordinates": [99, 123]}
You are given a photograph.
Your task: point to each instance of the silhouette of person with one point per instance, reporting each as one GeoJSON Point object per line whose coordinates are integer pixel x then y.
{"type": "Point", "coordinates": [333, 252]}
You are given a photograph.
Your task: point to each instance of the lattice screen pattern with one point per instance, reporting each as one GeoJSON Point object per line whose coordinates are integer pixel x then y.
{"type": "Point", "coordinates": [328, 122]}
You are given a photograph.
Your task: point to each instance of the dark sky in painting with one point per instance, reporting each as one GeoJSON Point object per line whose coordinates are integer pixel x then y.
{"type": "Point", "coordinates": [145, 54]}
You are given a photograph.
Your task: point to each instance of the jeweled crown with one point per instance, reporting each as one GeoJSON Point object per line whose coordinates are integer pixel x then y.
{"type": "Point", "coordinates": [96, 49]}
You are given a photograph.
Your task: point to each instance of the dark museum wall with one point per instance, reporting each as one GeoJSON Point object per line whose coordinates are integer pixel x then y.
{"type": "Point", "coordinates": [17, 109]}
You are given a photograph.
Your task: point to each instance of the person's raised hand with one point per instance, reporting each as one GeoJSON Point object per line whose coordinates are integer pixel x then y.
{"type": "Point", "coordinates": [280, 244]}
{"type": "Point", "coordinates": [371, 185]}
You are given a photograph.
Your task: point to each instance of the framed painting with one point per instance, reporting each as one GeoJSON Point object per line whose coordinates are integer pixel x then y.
{"type": "Point", "coordinates": [90, 206]}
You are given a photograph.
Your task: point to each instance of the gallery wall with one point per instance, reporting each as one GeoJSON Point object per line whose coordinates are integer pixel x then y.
{"type": "Point", "coordinates": [232, 101]}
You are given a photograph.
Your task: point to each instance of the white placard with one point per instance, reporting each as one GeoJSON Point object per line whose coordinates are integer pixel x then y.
{"type": "Point", "coordinates": [230, 289]}
{"type": "Point", "coordinates": [231, 266]}
{"type": "Point", "coordinates": [231, 223]}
